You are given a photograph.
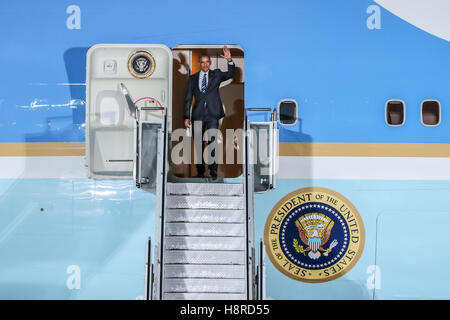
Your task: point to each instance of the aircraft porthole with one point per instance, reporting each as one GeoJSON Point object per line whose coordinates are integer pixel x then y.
{"type": "Point", "coordinates": [287, 112]}
{"type": "Point", "coordinates": [395, 112]}
{"type": "Point", "coordinates": [430, 113]}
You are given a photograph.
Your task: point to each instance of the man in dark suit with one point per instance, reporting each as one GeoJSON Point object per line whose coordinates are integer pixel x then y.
{"type": "Point", "coordinates": [208, 110]}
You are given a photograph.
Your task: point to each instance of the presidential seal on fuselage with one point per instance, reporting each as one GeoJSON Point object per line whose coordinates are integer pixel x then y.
{"type": "Point", "coordinates": [314, 235]}
{"type": "Point", "coordinates": [141, 64]}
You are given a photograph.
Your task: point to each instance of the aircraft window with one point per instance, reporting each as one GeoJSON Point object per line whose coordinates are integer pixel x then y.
{"type": "Point", "coordinates": [395, 112]}
{"type": "Point", "coordinates": [288, 111]}
{"type": "Point", "coordinates": [431, 112]}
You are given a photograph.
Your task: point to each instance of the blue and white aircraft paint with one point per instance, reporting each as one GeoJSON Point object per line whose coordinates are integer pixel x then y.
{"type": "Point", "coordinates": [64, 236]}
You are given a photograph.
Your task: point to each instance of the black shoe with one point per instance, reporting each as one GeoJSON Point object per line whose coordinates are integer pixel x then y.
{"type": "Point", "coordinates": [200, 175]}
{"type": "Point", "coordinates": [213, 175]}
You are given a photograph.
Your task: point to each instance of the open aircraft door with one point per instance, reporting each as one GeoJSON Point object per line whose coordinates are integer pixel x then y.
{"type": "Point", "coordinates": [128, 109]}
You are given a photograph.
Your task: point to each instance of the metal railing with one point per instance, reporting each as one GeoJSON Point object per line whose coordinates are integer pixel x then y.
{"type": "Point", "coordinates": [248, 185]}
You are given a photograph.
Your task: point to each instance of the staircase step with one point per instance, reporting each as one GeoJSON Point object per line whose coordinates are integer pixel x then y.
{"type": "Point", "coordinates": [204, 243]}
{"type": "Point", "coordinates": [222, 189]}
{"type": "Point", "coordinates": [206, 229]}
{"type": "Point", "coordinates": [202, 215]}
{"type": "Point", "coordinates": [205, 296]}
{"type": "Point", "coordinates": [205, 202]}
{"type": "Point", "coordinates": [207, 271]}
{"type": "Point", "coordinates": [205, 285]}
{"type": "Point", "coordinates": [203, 257]}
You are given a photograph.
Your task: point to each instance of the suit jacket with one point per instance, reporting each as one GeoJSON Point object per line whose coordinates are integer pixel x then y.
{"type": "Point", "coordinates": [211, 96]}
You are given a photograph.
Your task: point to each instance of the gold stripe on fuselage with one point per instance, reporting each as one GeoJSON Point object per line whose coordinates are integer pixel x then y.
{"type": "Point", "coordinates": [42, 149]}
{"type": "Point", "coordinates": [286, 149]}
{"type": "Point", "coordinates": [421, 150]}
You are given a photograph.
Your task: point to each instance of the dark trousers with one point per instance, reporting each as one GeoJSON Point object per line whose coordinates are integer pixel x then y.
{"type": "Point", "coordinates": [206, 124]}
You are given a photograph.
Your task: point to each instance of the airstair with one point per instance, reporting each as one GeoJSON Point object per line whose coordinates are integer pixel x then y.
{"type": "Point", "coordinates": [205, 242]}
{"type": "Point", "coordinates": [204, 247]}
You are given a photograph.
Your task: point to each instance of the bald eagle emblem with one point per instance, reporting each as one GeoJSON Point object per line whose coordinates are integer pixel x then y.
{"type": "Point", "coordinates": [142, 64]}
{"type": "Point", "coordinates": [314, 230]}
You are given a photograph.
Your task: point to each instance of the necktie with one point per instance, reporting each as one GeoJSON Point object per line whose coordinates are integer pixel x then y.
{"type": "Point", "coordinates": [204, 83]}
